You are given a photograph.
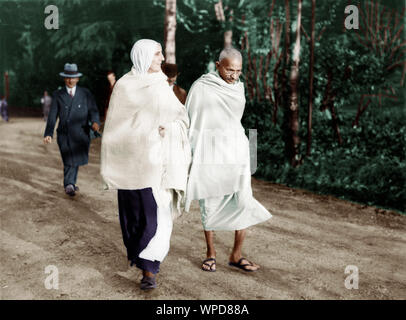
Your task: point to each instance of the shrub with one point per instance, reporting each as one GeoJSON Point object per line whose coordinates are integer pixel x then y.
{"type": "Point", "coordinates": [370, 166]}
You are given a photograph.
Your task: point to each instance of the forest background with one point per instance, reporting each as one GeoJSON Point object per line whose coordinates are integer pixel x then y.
{"type": "Point", "coordinates": [328, 102]}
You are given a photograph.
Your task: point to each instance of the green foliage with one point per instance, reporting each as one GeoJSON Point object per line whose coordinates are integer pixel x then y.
{"type": "Point", "coordinates": [97, 35]}
{"type": "Point", "coordinates": [370, 167]}
{"type": "Point", "coordinates": [198, 39]}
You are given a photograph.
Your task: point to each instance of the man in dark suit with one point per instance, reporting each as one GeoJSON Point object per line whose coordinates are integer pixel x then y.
{"type": "Point", "coordinates": [78, 113]}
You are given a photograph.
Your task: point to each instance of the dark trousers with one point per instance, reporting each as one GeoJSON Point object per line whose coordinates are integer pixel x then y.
{"type": "Point", "coordinates": [4, 111]}
{"type": "Point", "coordinates": [70, 175]}
{"type": "Point", "coordinates": [138, 220]}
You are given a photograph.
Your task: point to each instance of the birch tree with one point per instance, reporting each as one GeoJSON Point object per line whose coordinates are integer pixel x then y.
{"type": "Point", "coordinates": [311, 79]}
{"type": "Point", "coordinates": [170, 31]}
{"type": "Point", "coordinates": [228, 34]}
{"type": "Point", "coordinates": [294, 97]}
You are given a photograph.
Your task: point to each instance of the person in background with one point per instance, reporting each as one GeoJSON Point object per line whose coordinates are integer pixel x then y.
{"type": "Point", "coordinates": [4, 108]}
{"type": "Point", "coordinates": [111, 77]}
{"type": "Point", "coordinates": [76, 108]}
{"type": "Point", "coordinates": [46, 101]}
{"type": "Point", "coordinates": [171, 71]}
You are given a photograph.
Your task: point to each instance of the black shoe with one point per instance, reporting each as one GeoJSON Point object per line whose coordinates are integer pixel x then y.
{"type": "Point", "coordinates": [70, 190]}
{"type": "Point", "coordinates": [76, 188]}
{"type": "Point", "coordinates": [148, 283]}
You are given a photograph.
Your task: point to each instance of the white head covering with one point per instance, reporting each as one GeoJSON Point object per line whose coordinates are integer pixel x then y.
{"type": "Point", "coordinates": [142, 54]}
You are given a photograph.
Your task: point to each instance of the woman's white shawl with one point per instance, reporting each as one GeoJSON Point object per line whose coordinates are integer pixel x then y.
{"type": "Point", "coordinates": [220, 148]}
{"type": "Point", "coordinates": [133, 154]}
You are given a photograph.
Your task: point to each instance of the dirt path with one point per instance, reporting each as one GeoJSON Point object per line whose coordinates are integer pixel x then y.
{"type": "Point", "coordinates": [303, 250]}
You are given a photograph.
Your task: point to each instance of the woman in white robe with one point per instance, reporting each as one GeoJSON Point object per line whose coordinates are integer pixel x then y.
{"type": "Point", "coordinates": [145, 156]}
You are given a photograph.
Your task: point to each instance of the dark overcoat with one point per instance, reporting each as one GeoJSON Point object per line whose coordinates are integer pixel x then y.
{"type": "Point", "coordinates": [76, 115]}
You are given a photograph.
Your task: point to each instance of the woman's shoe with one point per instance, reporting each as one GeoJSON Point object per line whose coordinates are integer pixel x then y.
{"type": "Point", "coordinates": [148, 283]}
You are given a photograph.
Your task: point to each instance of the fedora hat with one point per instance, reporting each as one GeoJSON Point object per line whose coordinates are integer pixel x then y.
{"type": "Point", "coordinates": [70, 71]}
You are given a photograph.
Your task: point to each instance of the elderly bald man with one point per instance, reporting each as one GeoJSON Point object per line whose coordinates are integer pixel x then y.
{"type": "Point", "coordinates": [220, 176]}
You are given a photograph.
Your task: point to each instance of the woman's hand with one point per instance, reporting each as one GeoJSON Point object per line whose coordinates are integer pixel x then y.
{"type": "Point", "coordinates": [161, 131]}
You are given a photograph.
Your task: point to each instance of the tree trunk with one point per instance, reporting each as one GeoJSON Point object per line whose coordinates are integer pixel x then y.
{"type": "Point", "coordinates": [311, 79]}
{"type": "Point", "coordinates": [287, 42]}
{"type": "Point", "coordinates": [250, 83]}
{"type": "Point", "coordinates": [228, 34]}
{"type": "Point", "coordinates": [277, 90]}
{"type": "Point", "coordinates": [228, 39]}
{"type": "Point", "coordinates": [170, 31]}
{"type": "Point", "coordinates": [284, 86]}
{"type": "Point", "coordinates": [361, 109]}
{"type": "Point", "coordinates": [294, 98]}
{"type": "Point", "coordinates": [267, 89]}
{"type": "Point", "coordinates": [276, 42]}
{"type": "Point", "coordinates": [257, 79]}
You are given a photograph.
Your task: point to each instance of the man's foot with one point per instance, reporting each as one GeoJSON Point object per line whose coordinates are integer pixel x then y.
{"type": "Point", "coordinates": [148, 283]}
{"type": "Point", "coordinates": [76, 188]}
{"type": "Point", "coordinates": [245, 265]}
{"type": "Point", "coordinates": [70, 190]}
{"type": "Point", "coordinates": [209, 265]}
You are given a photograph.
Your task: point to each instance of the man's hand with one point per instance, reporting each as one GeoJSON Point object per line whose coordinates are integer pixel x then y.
{"type": "Point", "coordinates": [161, 131]}
{"type": "Point", "coordinates": [47, 139]}
{"type": "Point", "coordinates": [95, 126]}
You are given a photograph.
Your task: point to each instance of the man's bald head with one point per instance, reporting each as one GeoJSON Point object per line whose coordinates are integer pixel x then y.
{"type": "Point", "coordinates": [230, 53]}
{"type": "Point", "coordinates": [229, 65]}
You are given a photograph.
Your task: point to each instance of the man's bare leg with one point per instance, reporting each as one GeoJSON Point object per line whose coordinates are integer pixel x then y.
{"type": "Point", "coordinates": [211, 252]}
{"type": "Point", "coordinates": [236, 254]}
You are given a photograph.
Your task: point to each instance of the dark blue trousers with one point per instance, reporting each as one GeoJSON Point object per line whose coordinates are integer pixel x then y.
{"type": "Point", "coordinates": [138, 220]}
{"type": "Point", "coordinates": [70, 175]}
{"type": "Point", "coordinates": [4, 111]}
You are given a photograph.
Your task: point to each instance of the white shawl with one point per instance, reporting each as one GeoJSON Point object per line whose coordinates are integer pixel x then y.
{"type": "Point", "coordinates": [133, 154]}
{"type": "Point", "coordinates": [142, 54]}
{"type": "Point", "coordinates": [220, 148]}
